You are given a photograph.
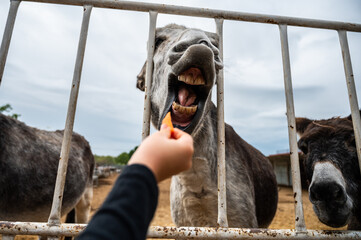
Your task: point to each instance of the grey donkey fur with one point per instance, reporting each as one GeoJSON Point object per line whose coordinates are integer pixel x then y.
{"type": "Point", "coordinates": [29, 159]}
{"type": "Point", "coordinates": [251, 184]}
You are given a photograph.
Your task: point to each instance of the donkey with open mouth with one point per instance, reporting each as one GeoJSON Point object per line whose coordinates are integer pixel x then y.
{"type": "Point", "coordinates": [186, 63]}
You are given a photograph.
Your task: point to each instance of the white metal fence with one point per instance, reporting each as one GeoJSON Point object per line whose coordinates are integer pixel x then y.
{"type": "Point", "coordinates": [54, 227]}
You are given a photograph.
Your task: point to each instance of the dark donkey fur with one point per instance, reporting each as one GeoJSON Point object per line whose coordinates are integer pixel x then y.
{"type": "Point", "coordinates": [332, 169]}
{"type": "Point", "coordinates": [186, 62]}
{"type": "Point", "coordinates": [29, 159]}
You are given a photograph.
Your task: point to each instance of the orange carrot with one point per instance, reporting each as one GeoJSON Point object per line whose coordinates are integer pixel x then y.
{"type": "Point", "coordinates": [168, 121]}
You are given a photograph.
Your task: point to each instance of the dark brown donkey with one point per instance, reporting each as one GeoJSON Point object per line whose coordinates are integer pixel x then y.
{"type": "Point", "coordinates": [332, 170]}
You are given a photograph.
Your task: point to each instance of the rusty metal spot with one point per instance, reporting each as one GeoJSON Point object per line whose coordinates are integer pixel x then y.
{"type": "Point", "coordinates": [255, 230]}
{"type": "Point", "coordinates": [7, 225]}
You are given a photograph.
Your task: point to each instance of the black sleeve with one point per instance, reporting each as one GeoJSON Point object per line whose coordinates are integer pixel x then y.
{"type": "Point", "coordinates": [128, 209]}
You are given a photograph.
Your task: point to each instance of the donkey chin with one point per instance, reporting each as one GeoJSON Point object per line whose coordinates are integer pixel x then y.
{"type": "Point", "coordinates": [333, 215]}
{"type": "Point", "coordinates": [189, 85]}
{"type": "Point", "coordinates": [327, 192]}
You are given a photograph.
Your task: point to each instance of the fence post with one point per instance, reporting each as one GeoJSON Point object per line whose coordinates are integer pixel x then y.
{"type": "Point", "coordinates": [352, 95]}
{"type": "Point", "coordinates": [149, 73]}
{"type": "Point", "coordinates": [292, 135]}
{"type": "Point", "coordinates": [55, 214]}
{"type": "Point", "coordinates": [221, 147]}
{"type": "Point", "coordinates": [10, 22]}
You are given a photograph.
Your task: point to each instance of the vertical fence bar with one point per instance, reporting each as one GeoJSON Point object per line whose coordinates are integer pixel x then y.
{"type": "Point", "coordinates": [292, 135]}
{"type": "Point", "coordinates": [149, 73]}
{"type": "Point", "coordinates": [55, 214]}
{"type": "Point", "coordinates": [352, 95]}
{"type": "Point", "coordinates": [221, 151]}
{"type": "Point", "coordinates": [10, 22]}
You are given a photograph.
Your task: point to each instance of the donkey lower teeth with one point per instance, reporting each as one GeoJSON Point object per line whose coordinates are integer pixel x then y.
{"type": "Point", "coordinates": [184, 110]}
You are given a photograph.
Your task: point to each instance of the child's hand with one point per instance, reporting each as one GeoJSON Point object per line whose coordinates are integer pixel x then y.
{"type": "Point", "coordinates": [165, 153]}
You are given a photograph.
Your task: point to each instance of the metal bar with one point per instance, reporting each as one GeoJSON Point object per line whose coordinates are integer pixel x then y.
{"type": "Point", "coordinates": [149, 74]}
{"type": "Point", "coordinates": [352, 95]}
{"type": "Point", "coordinates": [221, 149]}
{"type": "Point", "coordinates": [35, 228]}
{"type": "Point", "coordinates": [292, 135]}
{"type": "Point", "coordinates": [10, 22]}
{"type": "Point", "coordinates": [43, 229]}
{"type": "Point", "coordinates": [243, 233]}
{"type": "Point", "coordinates": [210, 13]}
{"type": "Point", "coordinates": [55, 214]}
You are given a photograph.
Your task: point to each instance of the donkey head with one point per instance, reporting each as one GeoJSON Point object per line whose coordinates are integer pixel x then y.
{"type": "Point", "coordinates": [331, 167]}
{"type": "Point", "coordinates": [186, 62]}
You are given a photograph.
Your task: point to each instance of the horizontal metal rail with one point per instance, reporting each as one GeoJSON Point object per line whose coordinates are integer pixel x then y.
{"type": "Point", "coordinates": [209, 13]}
{"type": "Point", "coordinates": [44, 229]}
{"type": "Point", "coordinates": [34, 228]}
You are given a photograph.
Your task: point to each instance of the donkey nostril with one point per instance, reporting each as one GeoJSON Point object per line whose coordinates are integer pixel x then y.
{"type": "Point", "coordinates": [204, 42]}
{"type": "Point", "coordinates": [329, 192]}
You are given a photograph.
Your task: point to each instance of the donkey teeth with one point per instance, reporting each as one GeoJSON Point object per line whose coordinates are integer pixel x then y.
{"type": "Point", "coordinates": [191, 80]}
{"type": "Point", "coordinates": [185, 110]}
{"type": "Point", "coordinates": [182, 78]}
{"type": "Point", "coordinates": [199, 81]}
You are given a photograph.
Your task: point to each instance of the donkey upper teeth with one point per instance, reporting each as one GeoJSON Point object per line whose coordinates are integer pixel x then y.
{"type": "Point", "coordinates": [183, 109]}
{"type": "Point", "coordinates": [191, 80]}
{"type": "Point", "coordinates": [182, 78]}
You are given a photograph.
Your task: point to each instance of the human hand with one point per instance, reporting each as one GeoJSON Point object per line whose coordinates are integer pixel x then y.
{"type": "Point", "coordinates": [165, 153]}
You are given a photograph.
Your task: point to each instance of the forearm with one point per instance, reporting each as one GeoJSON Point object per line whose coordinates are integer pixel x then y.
{"type": "Point", "coordinates": [128, 209]}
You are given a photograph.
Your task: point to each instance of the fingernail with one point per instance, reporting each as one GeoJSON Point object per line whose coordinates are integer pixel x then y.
{"type": "Point", "coordinates": [164, 126]}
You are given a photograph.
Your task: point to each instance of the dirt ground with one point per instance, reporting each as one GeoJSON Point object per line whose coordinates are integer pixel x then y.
{"type": "Point", "coordinates": [284, 218]}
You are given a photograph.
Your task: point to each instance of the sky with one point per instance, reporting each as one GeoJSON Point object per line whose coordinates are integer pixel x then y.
{"type": "Point", "coordinates": [40, 64]}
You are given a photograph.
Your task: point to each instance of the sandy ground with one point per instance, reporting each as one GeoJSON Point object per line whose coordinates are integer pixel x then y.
{"type": "Point", "coordinates": [284, 218]}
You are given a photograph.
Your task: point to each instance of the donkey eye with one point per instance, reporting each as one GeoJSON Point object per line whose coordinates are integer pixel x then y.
{"type": "Point", "coordinates": [158, 41]}
{"type": "Point", "coordinates": [303, 146]}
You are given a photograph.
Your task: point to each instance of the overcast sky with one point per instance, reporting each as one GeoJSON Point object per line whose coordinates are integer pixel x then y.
{"type": "Point", "coordinates": [40, 64]}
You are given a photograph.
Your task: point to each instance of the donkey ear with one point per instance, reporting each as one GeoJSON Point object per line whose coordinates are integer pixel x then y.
{"type": "Point", "coordinates": [350, 117]}
{"type": "Point", "coordinates": [301, 125]}
{"type": "Point", "coordinates": [141, 77]}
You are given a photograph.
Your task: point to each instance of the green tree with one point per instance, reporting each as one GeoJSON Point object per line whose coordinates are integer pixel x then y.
{"type": "Point", "coordinates": [7, 108]}
{"type": "Point", "coordinates": [104, 160]}
{"type": "Point", "coordinates": [132, 151]}
{"type": "Point", "coordinates": [122, 158]}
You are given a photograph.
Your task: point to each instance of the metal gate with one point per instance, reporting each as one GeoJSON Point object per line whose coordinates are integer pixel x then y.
{"type": "Point", "coordinates": [54, 227]}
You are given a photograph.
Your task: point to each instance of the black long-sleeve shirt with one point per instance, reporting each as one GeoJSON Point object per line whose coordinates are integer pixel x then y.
{"type": "Point", "coordinates": [128, 209]}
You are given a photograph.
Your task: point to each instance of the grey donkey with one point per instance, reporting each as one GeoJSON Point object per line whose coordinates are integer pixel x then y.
{"type": "Point", "coordinates": [29, 159]}
{"type": "Point", "coordinates": [186, 63]}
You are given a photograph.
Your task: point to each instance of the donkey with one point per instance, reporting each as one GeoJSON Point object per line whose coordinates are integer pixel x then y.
{"type": "Point", "coordinates": [186, 63]}
{"type": "Point", "coordinates": [332, 169]}
{"type": "Point", "coordinates": [29, 159]}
